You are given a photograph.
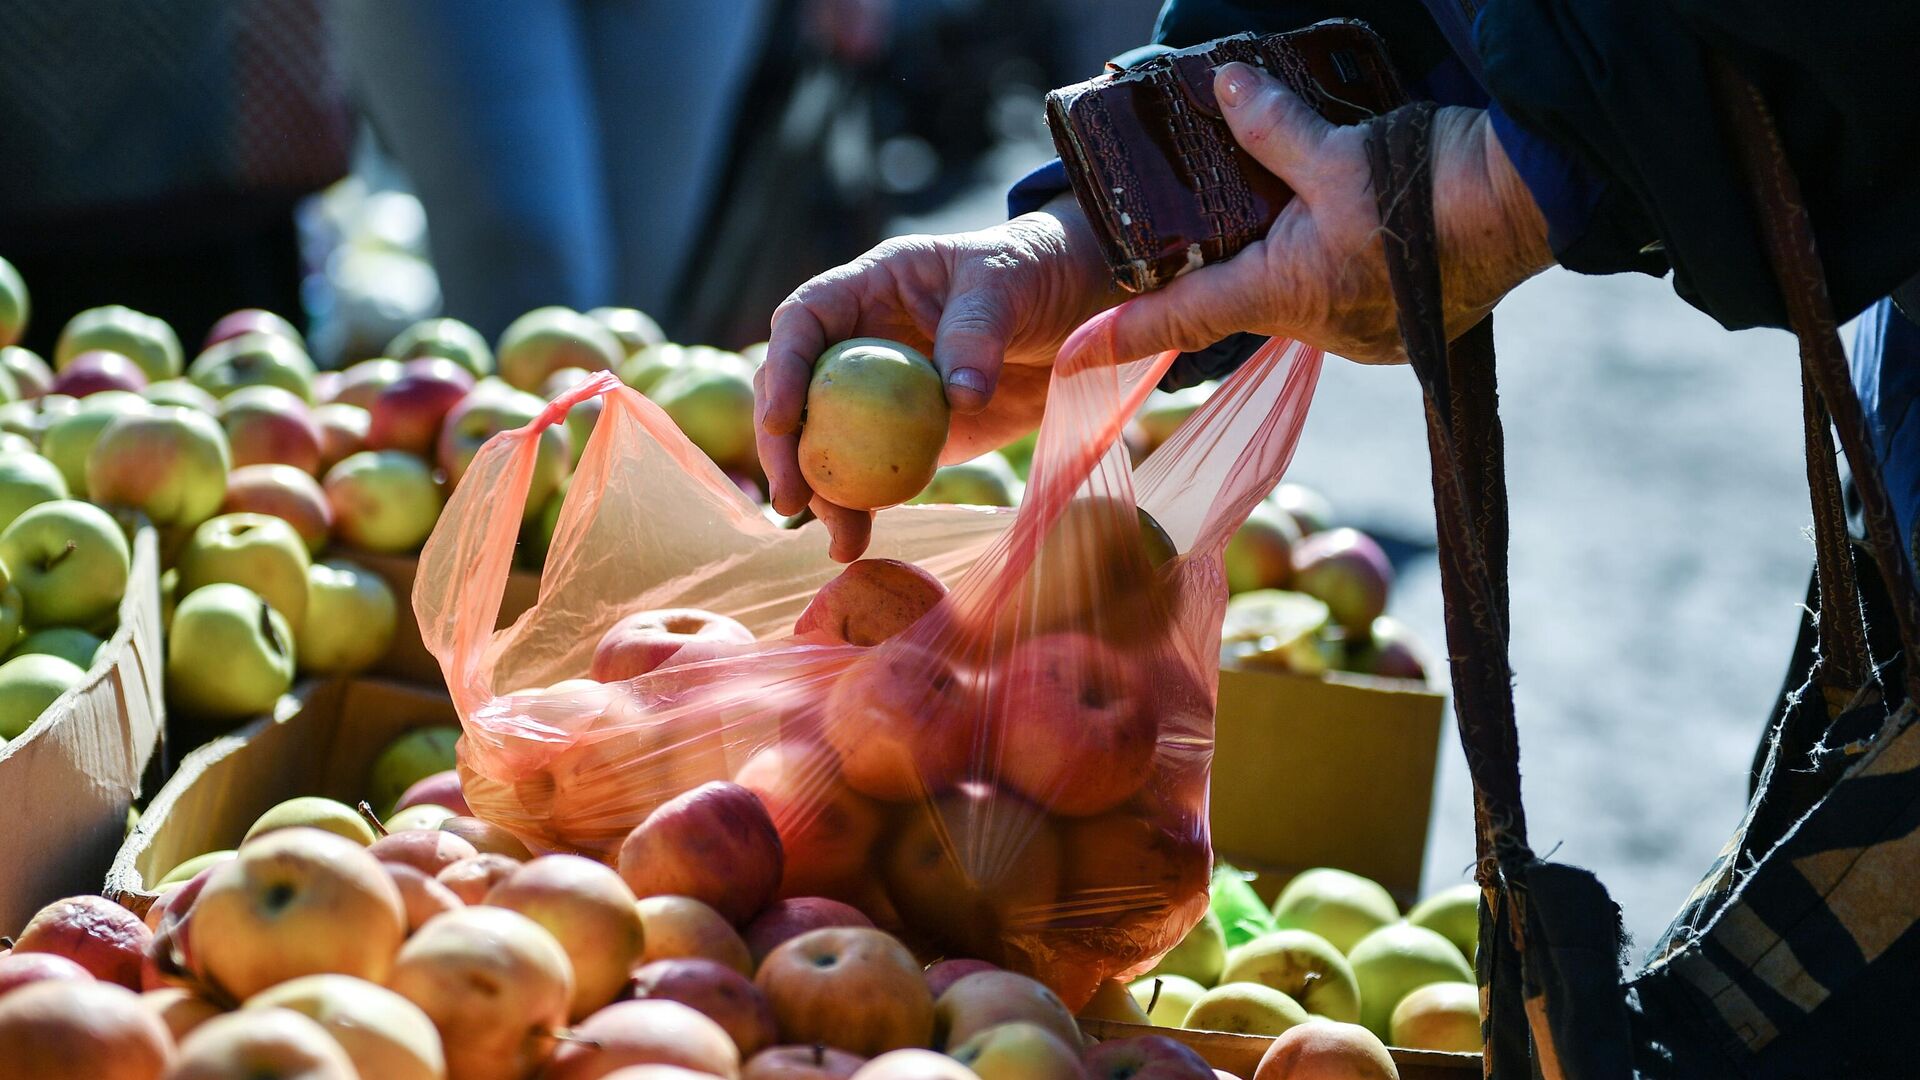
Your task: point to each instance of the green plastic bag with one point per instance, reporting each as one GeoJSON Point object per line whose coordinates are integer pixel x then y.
{"type": "Point", "coordinates": [1242, 913]}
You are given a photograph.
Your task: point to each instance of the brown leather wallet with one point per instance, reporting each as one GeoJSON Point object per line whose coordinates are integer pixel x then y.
{"type": "Point", "coordinates": [1155, 167]}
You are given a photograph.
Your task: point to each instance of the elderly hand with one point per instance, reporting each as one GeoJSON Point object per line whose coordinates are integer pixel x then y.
{"type": "Point", "coordinates": [1320, 274]}
{"type": "Point", "coordinates": [990, 308]}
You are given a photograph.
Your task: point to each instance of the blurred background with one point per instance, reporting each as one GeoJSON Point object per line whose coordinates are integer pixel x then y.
{"type": "Point", "coordinates": [362, 164]}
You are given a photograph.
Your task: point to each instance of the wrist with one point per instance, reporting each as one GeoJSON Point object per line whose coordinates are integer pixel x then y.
{"type": "Point", "coordinates": [1492, 235]}
{"type": "Point", "coordinates": [1064, 240]}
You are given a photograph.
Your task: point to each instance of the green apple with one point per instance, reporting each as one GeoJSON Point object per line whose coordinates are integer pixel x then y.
{"type": "Point", "coordinates": [169, 596]}
{"type": "Point", "coordinates": [9, 388]}
{"type": "Point", "coordinates": [1284, 631]}
{"type": "Point", "coordinates": [69, 436]}
{"type": "Point", "coordinates": [414, 756]}
{"type": "Point", "coordinates": [449, 338]}
{"type": "Point", "coordinates": [1396, 960]}
{"type": "Point", "coordinates": [254, 359]}
{"type": "Point", "coordinates": [489, 410]}
{"type": "Point", "coordinates": [350, 621]}
{"type": "Point", "coordinates": [1019, 1051]}
{"type": "Point", "coordinates": [186, 870]}
{"type": "Point", "coordinates": [27, 479]}
{"type": "Point", "coordinates": [170, 464]}
{"type": "Point", "coordinates": [1302, 965]}
{"type": "Point", "coordinates": [313, 812]}
{"type": "Point", "coordinates": [383, 500]}
{"type": "Point", "coordinates": [22, 420]}
{"type": "Point", "coordinates": [419, 816]}
{"type": "Point", "coordinates": [1337, 905]}
{"type": "Point", "coordinates": [1438, 1016]}
{"type": "Point", "coordinates": [69, 560]}
{"type": "Point", "coordinates": [13, 610]}
{"type": "Point", "coordinates": [144, 339]}
{"type": "Point", "coordinates": [633, 329]}
{"type": "Point", "coordinates": [984, 481]}
{"type": "Point", "coordinates": [1245, 1009]}
{"type": "Point", "coordinates": [544, 340]}
{"type": "Point", "coordinates": [229, 654]}
{"type": "Point", "coordinates": [1167, 999]}
{"type": "Point", "coordinates": [645, 369]}
{"type": "Point", "coordinates": [69, 643]}
{"type": "Point", "coordinates": [1454, 914]}
{"type": "Point", "coordinates": [1200, 956]}
{"type": "Point", "coordinates": [256, 550]}
{"type": "Point", "coordinates": [1164, 412]}
{"type": "Point", "coordinates": [28, 684]}
{"type": "Point", "coordinates": [712, 403]}
{"type": "Point", "coordinates": [31, 375]}
{"type": "Point", "coordinates": [15, 305]}
{"type": "Point", "coordinates": [1309, 509]}
{"type": "Point", "coordinates": [181, 394]}
{"type": "Point", "coordinates": [1260, 555]}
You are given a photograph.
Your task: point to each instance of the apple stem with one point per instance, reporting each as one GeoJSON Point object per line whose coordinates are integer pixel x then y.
{"type": "Point", "coordinates": [373, 819]}
{"type": "Point", "coordinates": [819, 1055]}
{"type": "Point", "coordinates": [567, 1035]}
{"type": "Point", "coordinates": [1154, 999]}
{"type": "Point", "coordinates": [55, 560]}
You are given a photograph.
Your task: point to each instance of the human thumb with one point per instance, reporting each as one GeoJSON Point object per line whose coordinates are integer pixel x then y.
{"type": "Point", "coordinates": [1268, 120]}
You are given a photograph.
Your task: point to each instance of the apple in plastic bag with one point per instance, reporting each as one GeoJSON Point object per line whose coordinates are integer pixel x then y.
{"type": "Point", "coordinates": [626, 764]}
{"type": "Point", "coordinates": [968, 869]}
{"type": "Point", "coordinates": [1073, 729]}
{"type": "Point", "coordinates": [647, 640]}
{"type": "Point", "coordinates": [1140, 867]}
{"type": "Point", "coordinates": [903, 722]}
{"type": "Point", "coordinates": [826, 828]}
{"type": "Point", "coordinates": [1094, 572]}
{"type": "Point", "coordinates": [870, 601]}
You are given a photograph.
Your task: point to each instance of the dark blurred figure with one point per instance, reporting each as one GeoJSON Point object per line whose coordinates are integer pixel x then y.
{"type": "Point", "coordinates": [154, 153]}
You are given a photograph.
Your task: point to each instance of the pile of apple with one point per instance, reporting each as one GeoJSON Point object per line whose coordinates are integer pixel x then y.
{"type": "Point", "coordinates": [1333, 946]}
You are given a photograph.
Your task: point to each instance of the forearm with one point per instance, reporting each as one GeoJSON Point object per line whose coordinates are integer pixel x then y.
{"type": "Point", "coordinates": [1492, 237]}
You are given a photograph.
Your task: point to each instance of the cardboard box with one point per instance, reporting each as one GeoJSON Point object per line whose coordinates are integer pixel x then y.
{"type": "Point", "coordinates": [67, 782]}
{"type": "Point", "coordinates": [321, 741]}
{"type": "Point", "coordinates": [408, 659]}
{"type": "Point", "coordinates": [1240, 1054]}
{"type": "Point", "coordinates": [1325, 771]}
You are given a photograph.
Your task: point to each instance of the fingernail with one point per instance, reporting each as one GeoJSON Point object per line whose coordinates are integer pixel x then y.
{"type": "Point", "coordinates": [972, 380]}
{"type": "Point", "coordinates": [1236, 84]}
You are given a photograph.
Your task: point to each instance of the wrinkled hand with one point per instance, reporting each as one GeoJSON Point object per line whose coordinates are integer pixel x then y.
{"type": "Point", "coordinates": [1320, 274]}
{"type": "Point", "coordinates": [990, 308]}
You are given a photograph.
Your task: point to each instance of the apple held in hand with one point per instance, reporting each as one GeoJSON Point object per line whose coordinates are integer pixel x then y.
{"type": "Point", "coordinates": [1073, 728]}
{"type": "Point", "coordinates": [448, 338]}
{"type": "Point", "coordinates": [876, 422]}
{"type": "Point", "coordinates": [870, 601]}
{"type": "Point", "coordinates": [408, 413]}
{"type": "Point", "coordinates": [147, 341]}
{"type": "Point", "coordinates": [715, 844]}
{"type": "Point", "coordinates": [170, 464]}
{"type": "Point", "coordinates": [544, 340]}
{"type": "Point", "coordinates": [97, 370]}
{"type": "Point", "coordinates": [648, 640]}
{"type": "Point", "coordinates": [229, 654]}
{"type": "Point", "coordinates": [350, 621]}
{"type": "Point", "coordinates": [383, 501]}
{"type": "Point", "coordinates": [70, 562]}
{"type": "Point", "coordinates": [903, 723]}
{"type": "Point", "coordinates": [268, 425]}
{"type": "Point", "coordinates": [260, 552]}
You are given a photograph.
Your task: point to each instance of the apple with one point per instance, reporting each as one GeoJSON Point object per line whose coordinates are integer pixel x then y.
{"type": "Point", "coordinates": [28, 685]}
{"type": "Point", "coordinates": [229, 654]}
{"type": "Point", "coordinates": [1395, 960]}
{"type": "Point", "coordinates": [383, 1033]}
{"type": "Point", "coordinates": [984, 481]}
{"type": "Point", "coordinates": [1094, 571]}
{"type": "Point", "coordinates": [343, 433]}
{"type": "Point", "coordinates": [72, 1030]}
{"type": "Point", "coordinates": [914, 1064]}
{"type": "Point", "coordinates": [486, 837]}
{"type": "Point", "coordinates": [92, 931]}
{"type": "Point", "coordinates": [254, 359]}
{"type": "Point", "coordinates": [1164, 412]}
{"type": "Point", "coordinates": [1304, 966]}
{"type": "Point", "coordinates": [182, 394]}
{"type": "Point", "coordinates": [312, 812]}
{"type": "Point", "coordinates": [903, 723]}
{"type": "Point", "coordinates": [13, 609]}
{"type": "Point", "coordinates": [1272, 628]}
{"type": "Point", "coordinates": [827, 830]}
{"type": "Point", "coordinates": [471, 879]}
{"type": "Point", "coordinates": [1146, 1057]}
{"type": "Point", "coordinates": [251, 321]}
{"type": "Point", "coordinates": [989, 998]}
{"type": "Point", "coordinates": [191, 868]}
{"type": "Point", "coordinates": [680, 926]}
{"type": "Point", "coordinates": [716, 991]}
{"type": "Point", "coordinates": [648, 1032]}
{"type": "Point", "coordinates": [544, 340]}
{"type": "Point", "coordinates": [816, 1062]}
{"type": "Point", "coordinates": [1112, 1002]}
{"type": "Point", "coordinates": [712, 404]}
{"type": "Point", "coordinates": [1074, 734]}
{"type": "Point", "coordinates": [31, 375]}
{"type": "Point", "coordinates": [97, 370]}
{"type": "Point", "coordinates": [876, 423]}
{"type": "Point", "coordinates": [1309, 509]}
{"type": "Point", "coordinates": [968, 869]}
{"type": "Point", "coordinates": [1389, 651]}
{"type": "Point", "coordinates": [408, 413]}
{"type": "Point", "coordinates": [1454, 914]}
{"type": "Point", "coordinates": [1337, 905]}
{"type": "Point", "coordinates": [361, 384]}
{"type": "Point", "coordinates": [170, 464]}
{"type": "Point", "coordinates": [854, 988]}
{"type": "Point", "coordinates": [1260, 555]}
{"type": "Point", "coordinates": [424, 816]}
{"type": "Point", "coordinates": [383, 500]}
{"type": "Point", "coordinates": [784, 920]}
{"type": "Point", "coordinates": [1438, 1016]}
{"type": "Point", "coordinates": [69, 560]}
{"type": "Point", "coordinates": [262, 1044]}
{"type": "Point", "coordinates": [409, 758]}
{"type": "Point", "coordinates": [180, 1009]}
{"type": "Point", "coordinates": [350, 621]}
{"type": "Point", "coordinates": [633, 329]}
{"type": "Point", "coordinates": [714, 843]}
{"type": "Point", "coordinates": [24, 969]}
{"type": "Point", "coordinates": [15, 304]}
{"type": "Point", "coordinates": [27, 479]}
{"type": "Point", "coordinates": [426, 850]}
{"type": "Point", "coordinates": [1326, 1051]}
{"type": "Point", "coordinates": [284, 492]}
{"type": "Point", "coordinates": [1166, 998]}
{"type": "Point", "coordinates": [646, 367]}
{"type": "Point", "coordinates": [944, 973]}
{"type": "Point", "coordinates": [870, 601]}
{"type": "Point", "coordinates": [265, 424]}
{"type": "Point", "coordinates": [435, 789]}
{"type": "Point", "coordinates": [1201, 956]}
{"type": "Point", "coordinates": [147, 341]}
{"type": "Point", "coordinates": [260, 552]}
{"type": "Point", "coordinates": [1245, 1009]}
{"type": "Point", "coordinates": [421, 894]}
{"type": "Point", "coordinates": [483, 414]}
{"type": "Point", "coordinates": [1019, 1051]}
{"type": "Point", "coordinates": [589, 911]}
{"type": "Point", "coordinates": [448, 338]}
{"type": "Point", "coordinates": [70, 434]}
{"type": "Point", "coordinates": [1347, 570]}
{"type": "Point", "coordinates": [495, 985]}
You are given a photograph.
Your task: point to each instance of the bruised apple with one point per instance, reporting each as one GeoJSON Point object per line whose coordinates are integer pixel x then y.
{"type": "Point", "coordinates": [902, 722]}
{"type": "Point", "coordinates": [970, 868]}
{"type": "Point", "coordinates": [92, 931]}
{"type": "Point", "coordinates": [848, 987]}
{"type": "Point", "coordinates": [784, 920]}
{"type": "Point", "coordinates": [1074, 731]}
{"type": "Point", "coordinates": [647, 640]}
{"type": "Point", "coordinates": [876, 422]}
{"type": "Point", "coordinates": [714, 843]}
{"type": "Point", "coordinates": [826, 828]}
{"type": "Point", "coordinates": [871, 601]}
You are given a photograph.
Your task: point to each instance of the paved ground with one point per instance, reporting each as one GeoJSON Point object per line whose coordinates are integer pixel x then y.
{"type": "Point", "coordinates": [1658, 559]}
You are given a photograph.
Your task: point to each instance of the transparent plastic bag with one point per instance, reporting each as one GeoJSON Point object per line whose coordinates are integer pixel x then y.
{"type": "Point", "coordinates": [1020, 776]}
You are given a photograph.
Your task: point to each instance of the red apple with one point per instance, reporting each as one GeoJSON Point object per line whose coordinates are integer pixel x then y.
{"type": "Point", "coordinates": [647, 640]}
{"type": "Point", "coordinates": [408, 413]}
{"type": "Point", "coordinates": [1347, 571]}
{"type": "Point", "coordinates": [472, 878]}
{"type": "Point", "coordinates": [784, 920]}
{"type": "Point", "coordinates": [848, 987]}
{"type": "Point", "coordinates": [816, 1062]}
{"type": "Point", "coordinates": [826, 828]}
{"type": "Point", "coordinates": [285, 492]}
{"type": "Point", "coordinates": [969, 869]}
{"type": "Point", "coordinates": [18, 970]}
{"type": "Point", "coordinates": [903, 723]}
{"type": "Point", "coordinates": [1390, 651]}
{"type": "Point", "coordinates": [92, 931]}
{"type": "Point", "coordinates": [360, 384]}
{"type": "Point", "coordinates": [439, 789]}
{"type": "Point", "coordinates": [1147, 1057]}
{"type": "Point", "coordinates": [944, 973]}
{"type": "Point", "coordinates": [1326, 1050]}
{"type": "Point", "coordinates": [644, 1033]}
{"type": "Point", "coordinates": [343, 432]}
{"type": "Point", "coordinates": [715, 844]}
{"type": "Point", "coordinates": [421, 895]}
{"type": "Point", "coordinates": [268, 425]}
{"type": "Point", "coordinates": [251, 321]}
{"type": "Point", "coordinates": [64, 1030]}
{"type": "Point", "coordinates": [426, 850]}
{"type": "Point", "coordinates": [718, 992]}
{"type": "Point", "coordinates": [92, 372]}
{"type": "Point", "coordinates": [1074, 731]}
{"type": "Point", "coordinates": [171, 464]}
{"type": "Point", "coordinates": [871, 601]}
{"type": "Point", "coordinates": [487, 837]}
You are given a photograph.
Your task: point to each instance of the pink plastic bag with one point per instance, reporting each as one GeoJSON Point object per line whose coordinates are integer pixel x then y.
{"type": "Point", "coordinates": [1021, 776]}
